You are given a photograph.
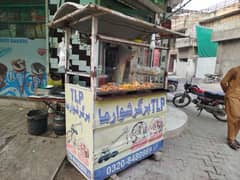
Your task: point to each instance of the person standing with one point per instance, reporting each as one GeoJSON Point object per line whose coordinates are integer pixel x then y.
{"type": "Point", "coordinates": [231, 86]}
{"type": "Point", "coordinates": [61, 53]}
{"type": "Point", "coordinates": [125, 54]}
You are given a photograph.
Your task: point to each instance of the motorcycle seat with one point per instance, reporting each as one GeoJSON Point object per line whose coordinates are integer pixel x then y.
{"type": "Point", "coordinates": [172, 81]}
{"type": "Point", "coordinates": [214, 95]}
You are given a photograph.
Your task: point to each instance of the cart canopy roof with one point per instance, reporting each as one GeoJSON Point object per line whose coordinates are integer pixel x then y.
{"type": "Point", "coordinates": [111, 23]}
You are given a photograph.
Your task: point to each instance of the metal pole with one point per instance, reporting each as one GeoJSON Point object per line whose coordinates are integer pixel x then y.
{"type": "Point", "coordinates": [132, 43]}
{"type": "Point", "coordinates": [67, 44]}
{"type": "Point", "coordinates": [94, 53]}
{"type": "Point", "coordinates": [47, 37]}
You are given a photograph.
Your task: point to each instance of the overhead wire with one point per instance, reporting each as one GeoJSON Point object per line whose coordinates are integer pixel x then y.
{"type": "Point", "coordinates": [181, 7]}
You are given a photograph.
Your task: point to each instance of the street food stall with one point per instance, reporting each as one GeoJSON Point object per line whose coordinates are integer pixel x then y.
{"type": "Point", "coordinates": [116, 102]}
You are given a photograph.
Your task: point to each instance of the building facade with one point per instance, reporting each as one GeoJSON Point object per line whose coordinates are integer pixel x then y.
{"type": "Point", "coordinates": [227, 34]}
{"type": "Point", "coordinates": [28, 49]}
{"type": "Point", "coordinates": [183, 53]}
{"type": "Point", "coordinates": [223, 18]}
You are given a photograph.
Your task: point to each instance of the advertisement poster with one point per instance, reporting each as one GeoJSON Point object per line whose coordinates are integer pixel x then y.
{"type": "Point", "coordinates": [127, 130]}
{"type": "Point", "coordinates": [156, 58]}
{"type": "Point", "coordinates": [79, 132]}
{"type": "Point", "coordinates": [22, 66]}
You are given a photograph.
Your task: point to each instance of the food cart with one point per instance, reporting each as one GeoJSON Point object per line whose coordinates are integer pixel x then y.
{"type": "Point", "coordinates": [116, 104]}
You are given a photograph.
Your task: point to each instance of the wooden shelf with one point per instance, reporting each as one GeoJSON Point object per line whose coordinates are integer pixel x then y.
{"type": "Point", "coordinates": [21, 5]}
{"type": "Point", "coordinates": [127, 94]}
{"type": "Point", "coordinates": [23, 22]}
{"type": "Point", "coordinates": [83, 74]}
{"type": "Point", "coordinates": [147, 74]}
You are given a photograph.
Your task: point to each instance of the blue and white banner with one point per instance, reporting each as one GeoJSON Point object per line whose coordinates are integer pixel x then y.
{"type": "Point", "coordinates": [127, 161]}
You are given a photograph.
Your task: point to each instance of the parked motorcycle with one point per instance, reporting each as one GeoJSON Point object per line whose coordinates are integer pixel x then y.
{"type": "Point", "coordinates": [209, 101]}
{"type": "Point", "coordinates": [172, 84]}
{"type": "Point", "coordinates": [212, 78]}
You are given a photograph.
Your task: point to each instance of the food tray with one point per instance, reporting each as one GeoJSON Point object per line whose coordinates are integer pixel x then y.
{"type": "Point", "coordinates": [126, 92]}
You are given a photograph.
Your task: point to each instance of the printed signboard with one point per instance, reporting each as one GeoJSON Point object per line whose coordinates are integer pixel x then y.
{"type": "Point", "coordinates": [79, 134]}
{"type": "Point", "coordinates": [127, 130]}
{"type": "Point", "coordinates": [106, 136]}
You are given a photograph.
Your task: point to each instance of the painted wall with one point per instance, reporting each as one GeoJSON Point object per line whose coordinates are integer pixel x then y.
{"type": "Point", "coordinates": [205, 65]}
{"type": "Point", "coordinates": [185, 69]}
{"type": "Point", "coordinates": [225, 18]}
{"type": "Point", "coordinates": [22, 66]}
{"type": "Point", "coordinates": [188, 52]}
{"type": "Point", "coordinates": [228, 55]}
{"type": "Point", "coordinates": [225, 28]}
{"type": "Point", "coordinates": [22, 47]}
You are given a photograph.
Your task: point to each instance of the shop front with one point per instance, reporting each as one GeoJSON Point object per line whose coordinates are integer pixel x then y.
{"type": "Point", "coordinates": [29, 57]}
{"type": "Point", "coordinates": [115, 101]}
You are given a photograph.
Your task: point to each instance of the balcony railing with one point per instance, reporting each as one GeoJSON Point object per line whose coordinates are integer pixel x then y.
{"type": "Point", "coordinates": [220, 5]}
{"type": "Point", "coordinates": [186, 42]}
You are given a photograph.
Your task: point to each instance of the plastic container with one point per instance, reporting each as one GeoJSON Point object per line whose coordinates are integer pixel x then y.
{"type": "Point", "coordinates": [59, 126]}
{"type": "Point", "coordinates": [37, 121]}
{"type": "Point", "coordinates": [102, 79]}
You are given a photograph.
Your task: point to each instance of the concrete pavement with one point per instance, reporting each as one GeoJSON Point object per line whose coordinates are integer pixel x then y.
{"type": "Point", "coordinates": [200, 152]}
{"type": "Point", "coordinates": [39, 157]}
{"type": "Point", "coordinates": [197, 151]}
{"type": "Point", "coordinates": [176, 121]}
{"type": "Point", "coordinates": [23, 156]}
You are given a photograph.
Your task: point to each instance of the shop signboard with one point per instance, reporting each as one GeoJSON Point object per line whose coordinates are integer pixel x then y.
{"type": "Point", "coordinates": [79, 134]}
{"type": "Point", "coordinates": [106, 136]}
{"type": "Point", "coordinates": [127, 130]}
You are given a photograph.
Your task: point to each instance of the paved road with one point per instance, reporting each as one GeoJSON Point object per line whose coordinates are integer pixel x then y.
{"type": "Point", "coordinates": [199, 153]}
{"type": "Point", "coordinates": [23, 156]}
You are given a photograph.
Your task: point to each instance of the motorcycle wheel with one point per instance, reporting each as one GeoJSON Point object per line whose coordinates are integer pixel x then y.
{"type": "Point", "coordinates": [221, 114]}
{"type": "Point", "coordinates": [172, 87]}
{"type": "Point", "coordinates": [181, 100]}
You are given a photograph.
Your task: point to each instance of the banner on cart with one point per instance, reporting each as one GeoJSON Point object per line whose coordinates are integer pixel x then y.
{"type": "Point", "coordinates": [113, 111]}
{"type": "Point", "coordinates": [79, 122]}
{"type": "Point", "coordinates": [118, 141]}
{"type": "Point", "coordinates": [136, 132]}
{"type": "Point", "coordinates": [127, 161]}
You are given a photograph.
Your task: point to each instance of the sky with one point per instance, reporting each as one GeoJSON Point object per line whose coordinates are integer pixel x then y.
{"type": "Point", "coordinates": [201, 4]}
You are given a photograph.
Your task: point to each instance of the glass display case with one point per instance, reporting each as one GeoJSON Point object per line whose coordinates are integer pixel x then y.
{"type": "Point", "coordinates": [126, 68]}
